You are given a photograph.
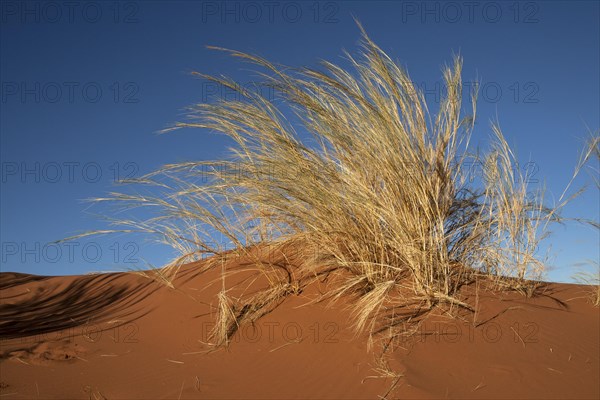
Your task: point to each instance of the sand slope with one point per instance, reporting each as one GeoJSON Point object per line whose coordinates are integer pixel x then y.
{"type": "Point", "coordinates": [121, 335]}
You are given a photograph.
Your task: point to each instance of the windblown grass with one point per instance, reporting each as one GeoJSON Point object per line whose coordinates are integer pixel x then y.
{"type": "Point", "coordinates": [380, 196]}
{"type": "Point", "coordinates": [592, 278]}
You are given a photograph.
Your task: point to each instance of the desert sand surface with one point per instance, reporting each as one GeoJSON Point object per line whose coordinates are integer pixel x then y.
{"type": "Point", "coordinates": [125, 336]}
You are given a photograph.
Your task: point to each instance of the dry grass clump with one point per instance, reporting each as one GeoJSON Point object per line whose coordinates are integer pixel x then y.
{"type": "Point", "coordinates": [592, 279]}
{"type": "Point", "coordinates": [380, 194]}
{"type": "Point", "coordinates": [592, 152]}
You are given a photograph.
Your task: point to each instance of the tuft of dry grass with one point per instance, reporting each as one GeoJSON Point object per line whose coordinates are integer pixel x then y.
{"type": "Point", "coordinates": [592, 279]}
{"type": "Point", "coordinates": [379, 194]}
{"type": "Point", "coordinates": [591, 152]}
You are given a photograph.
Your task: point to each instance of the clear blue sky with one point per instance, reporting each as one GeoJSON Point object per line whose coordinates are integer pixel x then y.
{"type": "Point", "coordinates": [85, 86]}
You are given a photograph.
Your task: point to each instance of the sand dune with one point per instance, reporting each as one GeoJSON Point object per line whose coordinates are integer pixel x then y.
{"type": "Point", "coordinates": [122, 335]}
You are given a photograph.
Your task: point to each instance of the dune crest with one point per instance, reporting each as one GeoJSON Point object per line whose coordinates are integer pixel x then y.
{"type": "Point", "coordinates": [150, 341]}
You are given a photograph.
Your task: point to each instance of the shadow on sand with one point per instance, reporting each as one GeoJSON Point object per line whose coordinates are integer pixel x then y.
{"type": "Point", "coordinates": [52, 306]}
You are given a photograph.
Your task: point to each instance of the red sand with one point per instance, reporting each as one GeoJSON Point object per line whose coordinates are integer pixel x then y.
{"type": "Point", "coordinates": [123, 336]}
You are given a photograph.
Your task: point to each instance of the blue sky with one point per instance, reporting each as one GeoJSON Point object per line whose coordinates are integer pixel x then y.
{"type": "Point", "coordinates": [86, 85]}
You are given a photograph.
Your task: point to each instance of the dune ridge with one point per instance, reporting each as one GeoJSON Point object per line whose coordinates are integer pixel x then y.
{"type": "Point", "coordinates": [60, 339]}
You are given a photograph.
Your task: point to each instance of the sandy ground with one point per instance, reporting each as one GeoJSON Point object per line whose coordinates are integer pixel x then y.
{"type": "Point", "coordinates": [124, 336]}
